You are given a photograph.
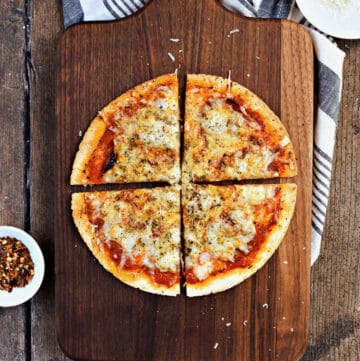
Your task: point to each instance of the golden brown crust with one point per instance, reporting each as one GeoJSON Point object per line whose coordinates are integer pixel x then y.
{"type": "Point", "coordinates": [87, 147]}
{"type": "Point", "coordinates": [134, 279]}
{"type": "Point", "coordinates": [207, 167]}
{"type": "Point", "coordinates": [230, 278]}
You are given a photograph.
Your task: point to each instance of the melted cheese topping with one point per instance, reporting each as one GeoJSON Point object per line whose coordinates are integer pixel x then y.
{"type": "Point", "coordinates": [226, 140]}
{"type": "Point", "coordinates": [144, 222]}
{"type": "Point", "coordinates": [147, 135]}
{"type": "Point", "coordinates": [219, 222]}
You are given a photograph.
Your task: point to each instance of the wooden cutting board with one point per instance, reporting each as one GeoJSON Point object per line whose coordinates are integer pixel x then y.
{"type": "Point", "coordinates": [266, 317]}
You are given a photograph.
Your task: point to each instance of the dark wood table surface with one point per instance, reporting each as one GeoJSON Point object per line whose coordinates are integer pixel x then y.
{"type": "Point", "coordinates": [29, 34]}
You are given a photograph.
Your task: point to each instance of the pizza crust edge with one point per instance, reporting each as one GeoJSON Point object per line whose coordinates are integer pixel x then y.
{"type": "Point", "coordinates": [98, 127]}
{"type": "Point", "coordinates": [229, 279]}
{"type": "Point", "coordinates": [87, 147]}
{"type": "Point", "coordinates": [136, 280]}
{"type": "Point", "coordinates": [254, 102]}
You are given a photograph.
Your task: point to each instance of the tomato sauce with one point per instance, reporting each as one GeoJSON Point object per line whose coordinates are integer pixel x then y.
{"type": "Point", "coordinates": [165, 278]}
{"type": "Point", "coordinates": [276, 166]}
{"type": "Point", "coordinates": [100, 157]}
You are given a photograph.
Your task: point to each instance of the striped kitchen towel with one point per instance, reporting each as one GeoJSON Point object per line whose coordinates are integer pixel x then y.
{"type": "Point", "coordinates": [329, 67]}
{"type": "Point", "coordinates": [77, 11]}
{"type": "Point", "coordinates": [328, 71]}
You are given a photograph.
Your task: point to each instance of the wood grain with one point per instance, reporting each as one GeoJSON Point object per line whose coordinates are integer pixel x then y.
{"type": "Point", "coordinates": [12, 157]}
{"type": "Point", "coordinates": [335, 315]}
{"type": "Point", "coordinates": [92, 306]}
{"type": "Point", "coordinates": [296, 111]}
{"type": "Point", "coordinates": [335, 294]}
{"type": "Point", "coordinates": [46, 29]}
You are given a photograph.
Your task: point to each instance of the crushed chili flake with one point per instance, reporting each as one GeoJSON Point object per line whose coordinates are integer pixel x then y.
{"type": "Point", "coordinates": [16, 265]}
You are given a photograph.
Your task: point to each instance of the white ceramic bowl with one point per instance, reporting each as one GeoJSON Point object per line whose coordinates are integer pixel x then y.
{"type": "Point", "coordinates": [338, 21]}
{"type": "Point", "coordinates": [20, 295]}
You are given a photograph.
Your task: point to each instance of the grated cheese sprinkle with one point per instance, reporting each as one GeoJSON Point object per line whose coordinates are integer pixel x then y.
{"type": "Point", "coordinates": [229, 81]}
{"type": "Point", "coordinates": [175, 40]}
{"type": "Point", "coordinates": [233, 31]}
{"type": "Point", "coordinates": [337, 3]}
{"type": "Point", "coordinates": [216, 345]}
{"type": "Point", "coordinates": [171, 56]}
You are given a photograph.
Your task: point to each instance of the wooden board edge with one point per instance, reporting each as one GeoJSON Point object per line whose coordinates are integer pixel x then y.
{"type": "Point", "coordinates": [293, 34]}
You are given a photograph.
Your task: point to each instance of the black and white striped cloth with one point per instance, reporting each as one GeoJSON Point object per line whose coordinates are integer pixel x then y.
{"type": "Point", "coordinates": [77, 11]}
{"type": "Point", "coordinates": [328, 71]}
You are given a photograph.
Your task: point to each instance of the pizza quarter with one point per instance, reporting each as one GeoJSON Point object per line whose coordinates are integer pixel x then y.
{"type": "Point", "coordinates": [135, 138]}
{"type": "Point", "coordinates": [231, 232]}
{"type": "Point", "coordinates": [231, 134]}
{"type": "Point", "coordinates": [134, 234]}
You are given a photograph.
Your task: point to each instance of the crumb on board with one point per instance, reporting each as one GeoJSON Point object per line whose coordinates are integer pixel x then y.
{"type": "Point", "coordinates": [265, 305]}
{"type": "Point", "coordinates": [175, 40]}
{"type": "Point", "coordinates": [284, 318]}
{"type": "Point", "coordinates": [216, 345]}
{"type": "Point", "coordinates": [292, 329]}
{"type": "Point", "coordinates": [80, 133]}
{"type": "Point", "coordinates": [245, 322]}
{"type": "Point", "coordinates": [171, 56]}
{"type": "Point", "coordinates": [248, 75]}
{"type": "Point", "coordinates": [257, 57]}
{"type": "Point", "coordinates": [285, 262]}
{"type": "Point", "coordinates": [228, 324]}
{"type": "Point", "coordinates": [222, 318]}
{"type": "Point", "coordinates": [233, 31]}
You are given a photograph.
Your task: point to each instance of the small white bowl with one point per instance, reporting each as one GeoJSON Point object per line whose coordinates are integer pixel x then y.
{"type": "Point", "coordinates": [19, 295]}
{"type": "Point", "coordinates": [340, 22]}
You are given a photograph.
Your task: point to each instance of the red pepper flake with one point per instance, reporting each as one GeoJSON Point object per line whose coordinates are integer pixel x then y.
{"type": "Point", "coordinates": [16, 265]}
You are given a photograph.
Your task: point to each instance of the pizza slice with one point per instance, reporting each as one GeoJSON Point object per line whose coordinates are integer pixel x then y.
{"type": "Point", "coordinates": [231, 134]}
{"type": "Point", "coordinates": [134, 234]}
{"type": "Point", "coordinates": [231, 232]}
{"type": "Point", "coordinates": [135, 138]}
